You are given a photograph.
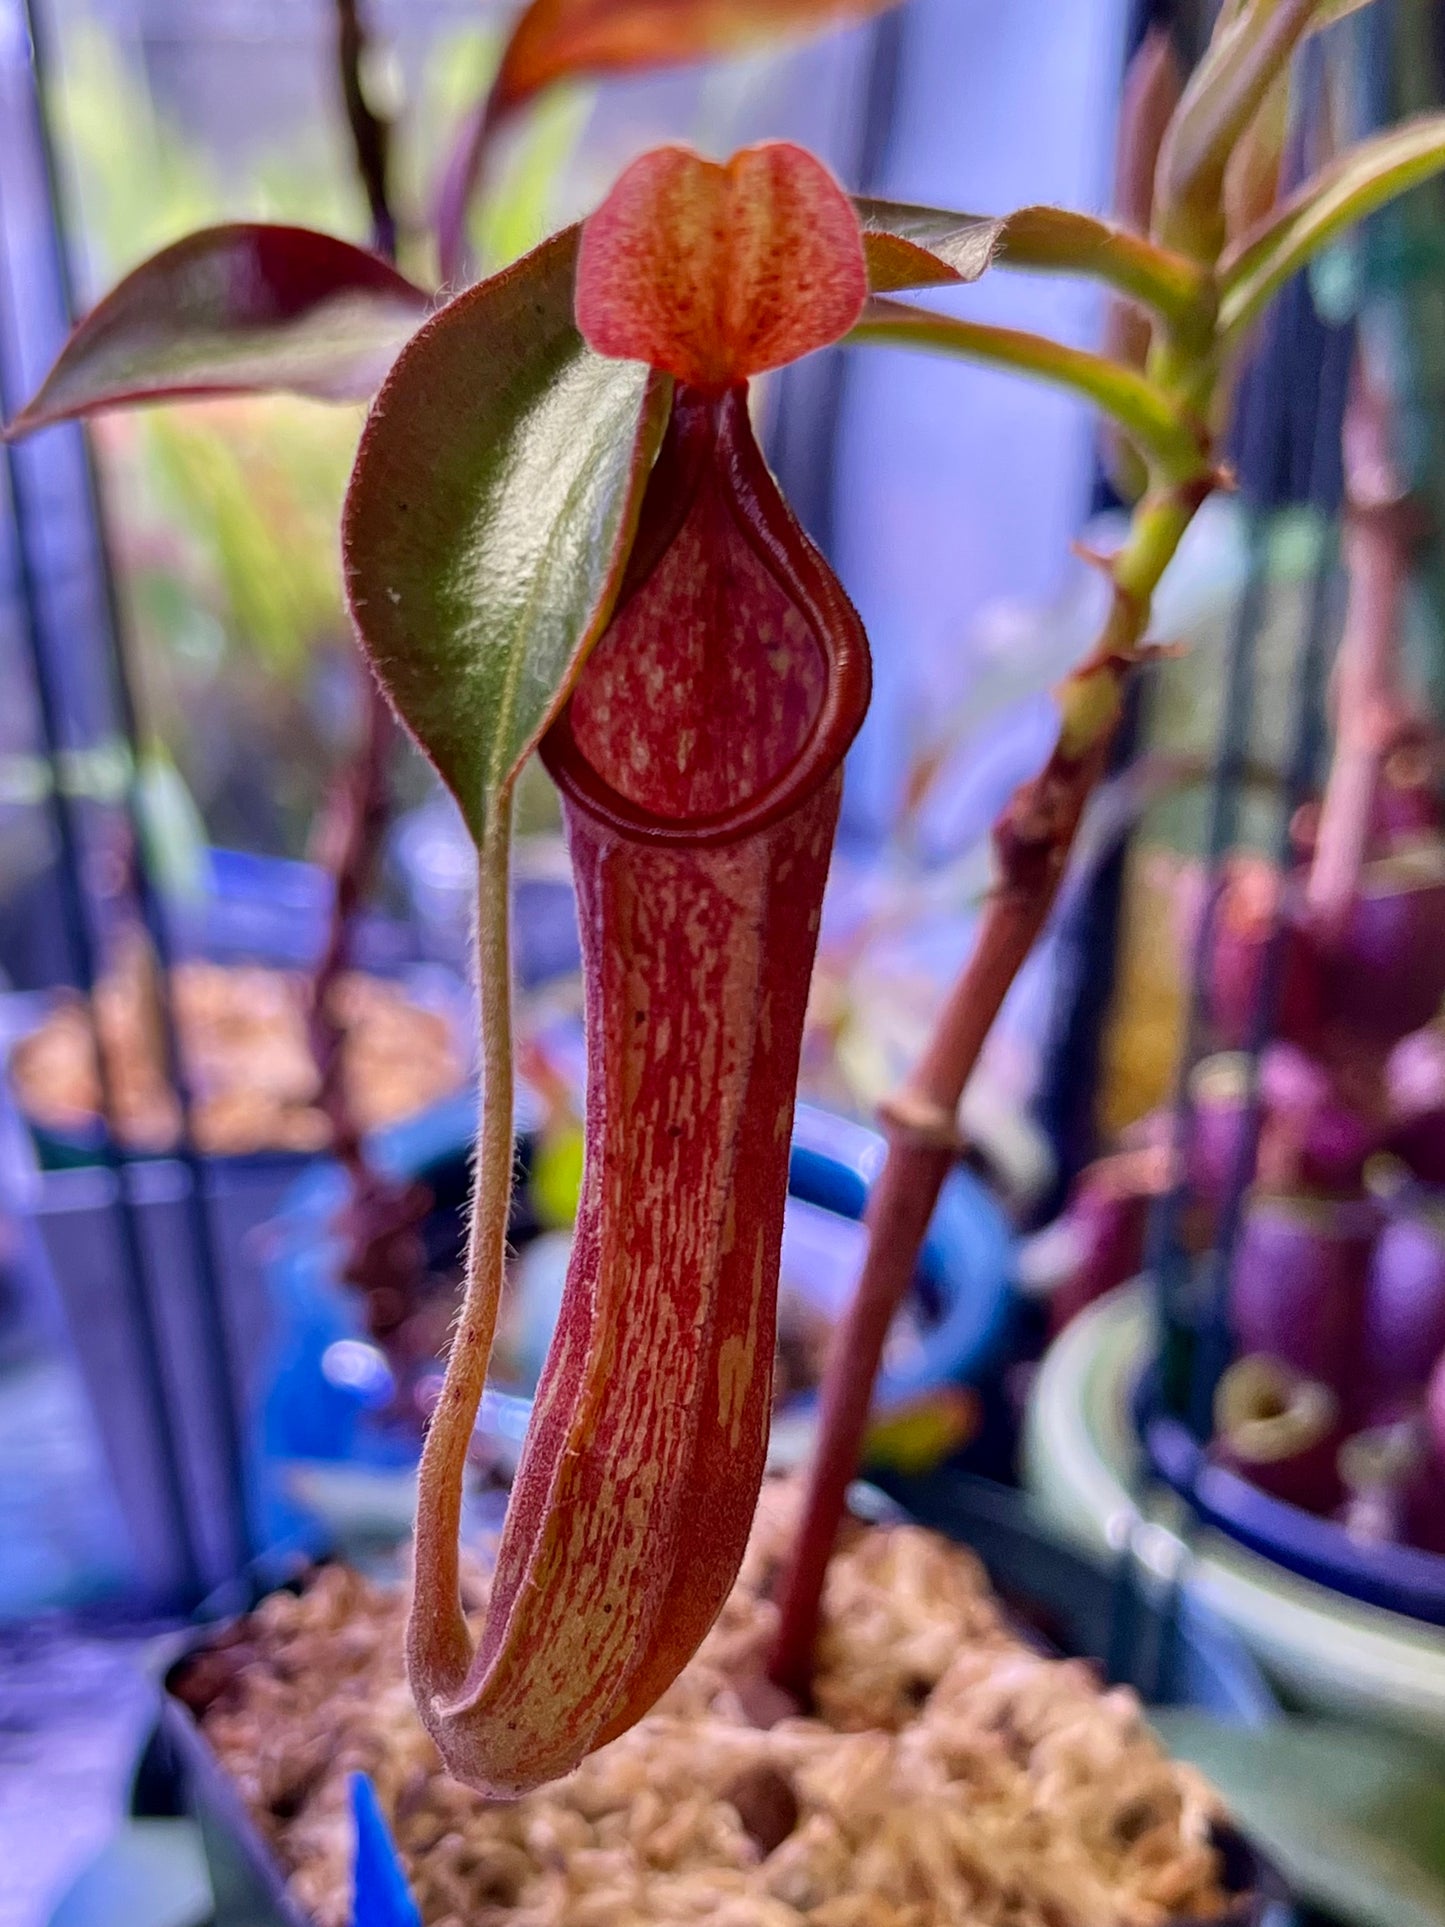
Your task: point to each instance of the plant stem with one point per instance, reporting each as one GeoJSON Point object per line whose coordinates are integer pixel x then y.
{"type": "Point", "coordinates": [370, 134]}
{"type": "Point", "coordinates": [381, 1216]}
{"type": "Point", "coordinates": [460, 183]}
{"type": "Point", "coordinates": [1032, 841]}
{"type": "Point", "coordinates": [1164, 408]}
{"type": "Point", "coordinates": [383, 1255]}
{"type": "Point", "coordinates": [361, 809]}
{"type": "Point", "coordinates": [438, 1644]}
{"type": "Point", "coordinates": [1369, 708]}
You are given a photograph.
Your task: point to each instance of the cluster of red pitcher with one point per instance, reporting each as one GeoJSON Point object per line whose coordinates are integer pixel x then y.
{"type": "Point", "coordinates": [1336, 1399]}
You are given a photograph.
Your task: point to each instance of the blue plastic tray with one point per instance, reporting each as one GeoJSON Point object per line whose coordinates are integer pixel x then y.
{"type": "Point", "coordinates": [965, 1276]}
{"type": "Point", "coordinates": [1397, 1579]}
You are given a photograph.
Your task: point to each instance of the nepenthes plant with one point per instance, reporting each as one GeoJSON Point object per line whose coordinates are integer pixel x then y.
{"type": "Point", "coordinates": [561, 539]}
{"type": "Point", "coordinates": [699, 757]}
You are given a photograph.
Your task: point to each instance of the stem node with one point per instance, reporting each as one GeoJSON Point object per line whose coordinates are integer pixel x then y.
{"type": "Point", "coordinates": [910, 1118]}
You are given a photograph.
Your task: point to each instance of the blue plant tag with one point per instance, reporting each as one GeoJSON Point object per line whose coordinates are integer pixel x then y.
{"type": "Point", "coordinates": [380, 1894]}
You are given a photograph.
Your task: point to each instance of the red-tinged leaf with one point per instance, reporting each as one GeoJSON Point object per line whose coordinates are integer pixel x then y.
{"type": "Point", "coordinates": [581, 39]}
{"type": "Point", "coordinates": [1327, 13]}
{"type": "Point", "coordinates": [1252, 178]}
{"type": "Point", "coordinates": [557, 39]}
{"type": "Point", "coordinates": [714, 272]}
{"type": "Point", "coordinates": [1152, 87]}
{"type": "Point", "coordinates": [490, 514]}
{"type": "Point", "coordinates": [920, 247]}
{"type": "Point", "coordinates": [699, 762]}
{"type": "Point", "coordinates": [240, 309]}
{"type": "Point", "coordinates": [915, 247]}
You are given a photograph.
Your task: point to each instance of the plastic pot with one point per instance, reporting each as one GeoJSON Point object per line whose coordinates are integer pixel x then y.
{"type": "Point", "coordinates": [1044, 1581]}
{"type": "Point", "coordinates": [1396, 1578]}
{"type": "Point", "coordinates": [337, 1461]}
{"type": "Point", "coordinates": [87, 1214]}
{"type": "Point", "coordinates": [1349, 1630]}
{"type": "Point", "coordinates": [256, 910]}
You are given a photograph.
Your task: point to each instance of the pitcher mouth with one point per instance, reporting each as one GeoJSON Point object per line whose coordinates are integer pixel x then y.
{"type": "Point", "coordinates": [820, 756]}
{"type": "Point", "coordinates": [796, 566]}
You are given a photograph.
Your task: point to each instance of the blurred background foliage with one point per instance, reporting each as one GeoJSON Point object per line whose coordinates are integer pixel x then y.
{"type": "Point", "coordinates": [224, 513]}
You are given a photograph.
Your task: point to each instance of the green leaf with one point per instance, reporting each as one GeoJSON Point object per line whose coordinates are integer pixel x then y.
{"type": "Point", "coordinates": [1363, 178]}
{"type": "Point", "coordinates": [237, 309]}
{"type": "Point", "coordinates": [915, 247]}
{"type": "Point", "coordinates": [1143, 410]}
{"type": "Point", "coordinates": [1355, 1819]}
{"type": "Point", "coordinates": [1330, 11]}
{"type": "Point", "coordinates": [1326, 13]}
{"type": "Point", "coordinates": [1224, 94]}
{"type": "Point", "coordinates": [173, 827]}
{"type": "Point", "coordinates": [490, 515]}
{"type": "Point", "coordinates": [543, 154]}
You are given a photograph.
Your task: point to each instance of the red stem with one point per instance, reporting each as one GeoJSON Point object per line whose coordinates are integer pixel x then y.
{"type": "Point", "coordinates": [361, 806]}
{"type": "Point", "coordinates": [1370, 711]}
{"type": "Point", "coordinates": [1032, 843]}
{"type": "Point", "coordinates": [384, 1256]}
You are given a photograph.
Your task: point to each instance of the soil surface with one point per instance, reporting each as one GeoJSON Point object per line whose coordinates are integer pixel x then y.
{"type": "Point", "coordinates": [243, 1036]}
{"type": "Point", "coordinates": [952, 1776]}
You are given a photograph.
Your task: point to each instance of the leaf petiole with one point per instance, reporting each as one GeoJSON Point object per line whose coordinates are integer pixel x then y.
{"type": "Point", "coordinates": [1172, 443]}
{"type": "Point", "coordinates": [1363, 179]}
{"type": "Point", "coordinates": [910, 247]}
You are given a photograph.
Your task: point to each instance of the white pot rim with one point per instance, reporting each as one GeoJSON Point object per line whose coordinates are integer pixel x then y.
{"type": "Point", "coordinates": [1082, 1461]}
